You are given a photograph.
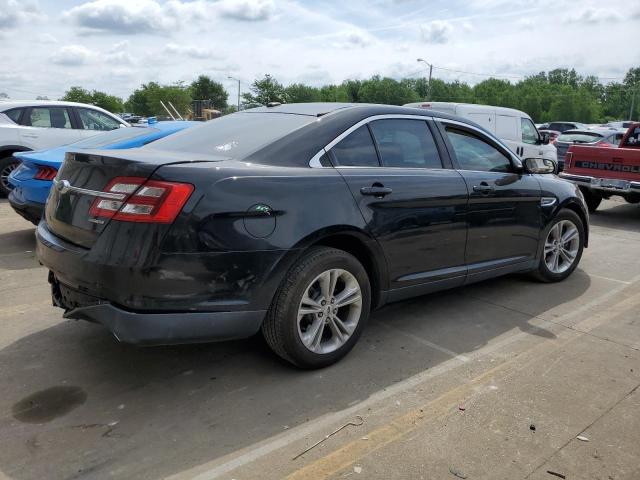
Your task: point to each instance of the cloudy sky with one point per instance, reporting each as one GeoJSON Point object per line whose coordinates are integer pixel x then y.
{"type": "Point", "coordinates": [115, 45]}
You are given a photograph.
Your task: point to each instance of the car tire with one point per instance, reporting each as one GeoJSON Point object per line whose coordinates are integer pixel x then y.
{"type": "Point", "coordinates": [563, 239]}
{"type": "Point", "coordinates": [7, 165]}
{"type": "Point", "coordinates": [591, 198]}
{"type": "Point", "coordinates": [308, 335]}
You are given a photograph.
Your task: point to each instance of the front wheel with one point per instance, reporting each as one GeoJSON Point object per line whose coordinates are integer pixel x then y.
{"type": "Point", "coordinates": [320, 309]}
{"type": "Point", "coordinates": [562, 249]}
{"type": "Point", "coordinates": [7, 165]}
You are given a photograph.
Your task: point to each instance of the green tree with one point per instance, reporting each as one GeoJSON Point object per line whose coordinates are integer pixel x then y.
{"type": "Point", "coordinates": [263, 91]}
{"type": "Point", "coordinates": [300, 93]}
{"type": "Point", "coordinates": [386, 90]}
{"type": "Point", "coordinates": [204, 88]}
{"type": "Point", "coordinates": [78, 94]}
{"type": "Point", "coordinates": [146, 100]}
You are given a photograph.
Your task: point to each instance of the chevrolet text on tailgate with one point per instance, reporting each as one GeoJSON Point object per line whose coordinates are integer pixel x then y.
{"type": "Point", "coordinates": [603, 172]}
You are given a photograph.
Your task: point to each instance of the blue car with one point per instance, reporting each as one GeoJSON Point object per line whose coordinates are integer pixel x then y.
{"type": "Point", "coordinates": [32, 180]}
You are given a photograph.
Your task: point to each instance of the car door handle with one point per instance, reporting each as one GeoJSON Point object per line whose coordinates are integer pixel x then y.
{"type": "Point", "coordinates": [30, 135]}
{"type": "Point", "coordinates": [483, 188]}
{"type": "Point", "coordinates": [376, 191]}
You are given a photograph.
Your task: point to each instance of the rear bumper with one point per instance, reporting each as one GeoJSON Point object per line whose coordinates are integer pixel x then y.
{"type": "Point", "coordinates": [31, 211]}
{"type": "Point", "coordinates": [602, 184]}
{"type": "Point", "coordinates": [170, 328]}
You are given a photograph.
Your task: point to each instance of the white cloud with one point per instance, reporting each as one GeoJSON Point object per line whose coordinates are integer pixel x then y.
{"type": "Point", "coordinates": [13, 13]}
{"type": "Point", "coordinates": [591, 15]}
{"type": "Point", "coordinates": [247, 10]}
{"type": "Point", "coordinates": [353, 39]}
{"type": "Point", "coordinates": [437, 31]}
{"type": "Point", "coordinates": [120, 16]}
{"type": "Point", "coordinates": [72, 55]}
{"type": "Point", "coordinates": [526, 24]}
{"type": "Point", "coordinates": [191, 51]}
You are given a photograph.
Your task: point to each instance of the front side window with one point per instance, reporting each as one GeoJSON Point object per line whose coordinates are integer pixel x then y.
{"type": "Point", "coordinates": [356, 150]}
{"type": "Point", "coordinates": [473, 153]}
{"type": "Point", "coordinates": [529, 132]}
{"type": "Point", "coordinates": [49, 117]}
{"type": "Point", "coordinates": [95, 120]}
{"type": "Point", "coordinates": [405, 143]}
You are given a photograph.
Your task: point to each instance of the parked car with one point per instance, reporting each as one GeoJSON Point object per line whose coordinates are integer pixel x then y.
{"type": "Point", "coordinates": [564, 126]}
{"type": "Point", "coordinates": [38, 125]}
{"type": "Point", "coordinates": [601, 171]}
{"type": "Point", "coordinates": [624, 124]}
{"type": "Point", "coordinates": [32, 180]}
{"type": "Point", "coordinates": [553, 135]}
{"type": "Point", "coordinates": [297, 220]}
{"type": "Point", "coordinates": [513, 127]}
{"type": "Point", "coordinates": [602, 137]}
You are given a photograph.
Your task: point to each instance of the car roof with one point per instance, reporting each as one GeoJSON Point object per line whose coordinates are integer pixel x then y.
{"type": "Point", "coordinates": [7, 104]}
{"type": "Point", "coordinates": [599, 130]}
{"type": "Point", "coordinates": [368, 109]}
{"type": "Point", "coordinates": [434, 106]}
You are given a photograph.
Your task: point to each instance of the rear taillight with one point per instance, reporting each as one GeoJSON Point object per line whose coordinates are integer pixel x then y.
{"type": "Point", "coordinates": [567, 159]}
{"type": "Point", "coordinates": [46, 173]}
{"type": "Point", "coordinates": [149, 201]}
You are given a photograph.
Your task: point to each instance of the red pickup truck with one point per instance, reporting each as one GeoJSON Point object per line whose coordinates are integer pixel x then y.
{"type": "Point", "coordinates": [603, 172]}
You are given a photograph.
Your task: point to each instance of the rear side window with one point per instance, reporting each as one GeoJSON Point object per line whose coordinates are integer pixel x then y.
{"type": "Point", "coordinates": [49, 117]}
{"type": "Point", "coordinates": [14, 114]}
{"type": "Point", "coordinates": [95, 120]}
{"type": "Point", "coordinates": [633, 140]}
{"type": "Point", "coordinates": [356, 150]}
{"type": "Point", "coordinates": [473, 153]}
{"type": "Point", "coordinates": [405, 143]}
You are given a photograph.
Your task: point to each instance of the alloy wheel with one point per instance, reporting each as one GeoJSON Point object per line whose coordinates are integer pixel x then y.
{"type": "Point", "coordinates": [329, 311]}
{"type": "Point", "coordinates": [561, 246]}
{"type": "Point", "coordinates": [4, 175]}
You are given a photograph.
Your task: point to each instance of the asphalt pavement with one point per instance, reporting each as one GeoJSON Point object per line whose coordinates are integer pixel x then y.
{"type": "Point", "coordinates": [509, 378]}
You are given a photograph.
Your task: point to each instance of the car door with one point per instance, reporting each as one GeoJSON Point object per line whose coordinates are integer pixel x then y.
{"type": "Point", "coordinates": [413, 206]}
{"type": "Point", "coordinates": [504, 212]}
{"type": "Point", "coordinates": [47, 127]}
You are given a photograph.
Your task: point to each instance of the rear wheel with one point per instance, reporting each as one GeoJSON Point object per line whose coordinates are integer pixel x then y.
{"type": "Point", "coordinates": [320, 309]}
{"type": "Point", "coordinates": [563, 245]}
{"type": "Point", "coordinates": [592, 199]}
{"type": "Point", "coordinates": [7, 165]}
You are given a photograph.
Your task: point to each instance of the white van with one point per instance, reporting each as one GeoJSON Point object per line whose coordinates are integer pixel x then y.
{"type": "Point", "coordinates": [513, 127]}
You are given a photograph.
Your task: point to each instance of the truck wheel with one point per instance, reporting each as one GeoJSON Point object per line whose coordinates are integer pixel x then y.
{"type": "Point", "coordinates": [592, 199]}
{"type": "Point", "coordinates": [320, 309]}
{"type": "Point", "coordinates": [7, 165]}
{"type": "Point", "coordinates": [562, 248]}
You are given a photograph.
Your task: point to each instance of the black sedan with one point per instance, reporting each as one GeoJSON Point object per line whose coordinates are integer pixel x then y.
{"type": "Point", "coordinates": [297, 220]}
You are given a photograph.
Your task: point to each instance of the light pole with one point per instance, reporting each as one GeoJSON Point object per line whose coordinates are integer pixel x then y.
{"type": "Point", "coordinates": [237, 80]}
{"type": "Point", "coordinates": [430, 72]}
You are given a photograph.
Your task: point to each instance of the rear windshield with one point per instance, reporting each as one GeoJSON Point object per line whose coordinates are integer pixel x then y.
{"type": "Point", "coordinates": [115, 136]}
{"type": "Point", "coordinates": [579, 137]}
{"type": "Point", "coordinates": [236, 135]}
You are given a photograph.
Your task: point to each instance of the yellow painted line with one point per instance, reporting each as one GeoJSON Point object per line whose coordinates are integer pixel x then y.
{"type": "Point", "coordinates": [399, 427]}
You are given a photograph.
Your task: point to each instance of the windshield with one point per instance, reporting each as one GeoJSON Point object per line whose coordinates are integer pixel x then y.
{"type": "Point", "coordinates": [115, 136]}
{"type": "Point", "coordinates": [236, 135]}
{"type": "Point", "coordinates": [579, 137]}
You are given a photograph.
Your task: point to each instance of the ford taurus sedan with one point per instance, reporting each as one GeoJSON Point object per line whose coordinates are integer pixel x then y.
{"type": "Point", "coordinates": [296, 221]}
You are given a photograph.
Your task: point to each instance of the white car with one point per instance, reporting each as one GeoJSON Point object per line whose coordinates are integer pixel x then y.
{"type": "Point", "coordinates": [514, 127]}
{"type": "Point", "coordinates": [42, 124]}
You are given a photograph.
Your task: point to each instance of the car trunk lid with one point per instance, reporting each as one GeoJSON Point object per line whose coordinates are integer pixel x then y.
{"type": "Point", "coordinates": [82, 180]}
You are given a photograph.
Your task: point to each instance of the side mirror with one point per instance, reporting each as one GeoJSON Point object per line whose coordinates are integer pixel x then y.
{"type": "Point", "coordinates": [538, 165]}
{"type": "Point", "coordinates": [545, 138]}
